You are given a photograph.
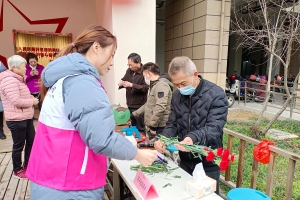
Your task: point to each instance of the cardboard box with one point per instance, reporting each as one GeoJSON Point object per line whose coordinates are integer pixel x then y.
{"type": "Point", "coordinates": [201, 189]}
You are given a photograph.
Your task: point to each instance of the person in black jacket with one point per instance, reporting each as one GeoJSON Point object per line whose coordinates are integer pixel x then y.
{"type": "Point", "coordinates": [198, 114]}
{"type": "Point", "coordinates": [136, 88]}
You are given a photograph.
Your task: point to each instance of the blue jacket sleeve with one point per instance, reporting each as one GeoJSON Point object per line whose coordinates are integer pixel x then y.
{"type": "Point", "coordinates": [88, 109]}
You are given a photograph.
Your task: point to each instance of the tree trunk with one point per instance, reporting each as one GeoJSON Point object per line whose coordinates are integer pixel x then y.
{"type": "Point", "coordinates": [264, 131]}
{"type": "Point", "coordinates": [267, 95]}
{"type": "Point", "coordinates": [290, 97]}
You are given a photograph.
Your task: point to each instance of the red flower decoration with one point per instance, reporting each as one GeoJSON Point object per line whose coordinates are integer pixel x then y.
{"type": "Point", "coordinates": [219, 152]}
{"type": "Point", "coordinates": [223, 165]}
{"type": "Point", "coordinates": [210, 156]}
{"type": "Point", "coordinates": [225, 154]}
{"type": "Point", "coordinates": [232, 158]}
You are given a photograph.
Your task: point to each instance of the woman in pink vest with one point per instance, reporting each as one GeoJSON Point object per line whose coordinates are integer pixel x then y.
{"type": "Point", "coordinates": [75, 133]}
{"type": "Point", "coordinates": [18, 110]}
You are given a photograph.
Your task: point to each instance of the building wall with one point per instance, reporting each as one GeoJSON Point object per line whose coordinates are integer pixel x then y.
{"type": "Point", "coordinates": [234, 56]}
{"type": "Point", "coordinates": [80, 16]}
{"type": "Point", "coordinates": [133, 23]}
{"type": "Point", "coordinates": [294, 65]}
{"type": "Point", "coordinates": [160, 46]}
{"type": "Point", "coordinates": [193, 30]}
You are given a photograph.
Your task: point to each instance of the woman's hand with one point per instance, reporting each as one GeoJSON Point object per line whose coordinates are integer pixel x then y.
{"type": "Point", "coordinates": [146, 156]}
{"type": "Point", "coordinates": [35, 101]}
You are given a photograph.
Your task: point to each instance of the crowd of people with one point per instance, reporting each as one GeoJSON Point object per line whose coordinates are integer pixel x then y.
{"type": "Point", "coordinates": [66, 157]}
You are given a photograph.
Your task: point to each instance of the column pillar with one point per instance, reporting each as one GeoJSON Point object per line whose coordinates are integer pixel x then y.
{"type": "Point", "coordinates": [133, 23]}
{"type": "Point", "coordinates": [193, 29]}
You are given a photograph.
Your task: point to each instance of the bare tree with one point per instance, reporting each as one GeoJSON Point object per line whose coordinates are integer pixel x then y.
{"type": "Point", "coordinates": [267, 23]}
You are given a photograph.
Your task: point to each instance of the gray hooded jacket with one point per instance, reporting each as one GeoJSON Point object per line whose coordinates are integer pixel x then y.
{"type": "Point", "coordinates": [88, 109]}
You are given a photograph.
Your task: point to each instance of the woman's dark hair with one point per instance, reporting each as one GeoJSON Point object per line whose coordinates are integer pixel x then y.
{"type": "Point", "coordinates": [30, 56]}
{"type": "Point", "coordinates": [151, 67]}
{"type": "Point", "coordinates": [136, 58]}
{"type": "Point", "coordinates": [83, 42]}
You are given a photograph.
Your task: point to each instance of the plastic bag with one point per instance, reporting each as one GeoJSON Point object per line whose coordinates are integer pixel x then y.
{"type": "Point", "coordinates": [261, 151]}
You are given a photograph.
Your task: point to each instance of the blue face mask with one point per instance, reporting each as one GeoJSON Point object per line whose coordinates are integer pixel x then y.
{"type": "Point", "coordinates": [188, 90]}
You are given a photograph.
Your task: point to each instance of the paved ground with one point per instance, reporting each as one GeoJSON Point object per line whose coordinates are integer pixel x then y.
{"type": "Point", "coordinates": [272, 109]}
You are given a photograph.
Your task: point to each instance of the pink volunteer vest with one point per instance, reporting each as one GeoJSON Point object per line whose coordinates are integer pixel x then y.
{"type": "Point", "coordinates": [59, 158]}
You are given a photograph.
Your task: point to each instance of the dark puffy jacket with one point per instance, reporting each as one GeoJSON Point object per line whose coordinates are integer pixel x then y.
{"type": "Point", "coordinates": [201, 117]}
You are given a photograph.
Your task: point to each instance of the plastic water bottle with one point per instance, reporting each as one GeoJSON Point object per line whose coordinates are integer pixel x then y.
{"type": "Point", "coordinates": [130, 137]}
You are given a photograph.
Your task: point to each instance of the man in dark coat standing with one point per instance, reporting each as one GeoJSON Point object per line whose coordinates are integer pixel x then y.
{"type": "Point", "coordinates": [198, 114]}
{"type": "Point", "coordinates": [136, 88]}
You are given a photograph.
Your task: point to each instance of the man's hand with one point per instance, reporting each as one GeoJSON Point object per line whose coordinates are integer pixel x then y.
{"type": "Point", "coordinates": [121, 83]}
{"type": "Point", "coordinates": [186, 140]}
{"type": "Point", "coordinates": [159, 146]}
{"type": "Point", "coordinates": [127, 84]}
{"type": "Point", "coordinates": [153, 132]}
{"type": "Point", "coordinates": [32, 73]}
{"type": "Point", "coordinates": [36, 72]}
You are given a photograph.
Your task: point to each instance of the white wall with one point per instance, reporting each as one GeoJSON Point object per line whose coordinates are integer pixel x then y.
{"type": "Point", "coordinates": [104, 14]}
{"type": "Point", "coordinates": [40, 10]}
{"type": "Point", "coordinates": [133, 22]}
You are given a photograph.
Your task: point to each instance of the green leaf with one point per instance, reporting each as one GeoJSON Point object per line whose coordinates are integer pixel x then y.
{"type": "Point", "coordinates": [173, 169]}
{"type": "Point", "coordinates": [168, 184]}
{"type": "Point", "coordinates": [176, 176]}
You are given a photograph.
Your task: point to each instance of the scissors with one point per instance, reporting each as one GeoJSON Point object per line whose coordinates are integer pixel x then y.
{"type": "Point", "coordinates": [160, 159]}
{"type": "Point", "coordinates": [164, 162]}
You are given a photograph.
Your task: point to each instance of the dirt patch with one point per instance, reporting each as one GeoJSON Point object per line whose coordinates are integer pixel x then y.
{"type": "Point", "coordinates": [241, 115]}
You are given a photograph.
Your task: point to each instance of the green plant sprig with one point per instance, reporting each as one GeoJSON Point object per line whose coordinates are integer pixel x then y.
{"type": "Point", "coordinates": [155, 167]}
{"type": "Point", "coordinates": [195, 149]}
{"type": "Point", "coordinates": [167, 141]}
